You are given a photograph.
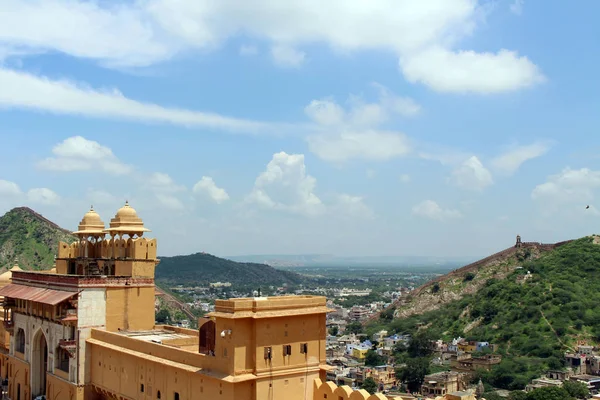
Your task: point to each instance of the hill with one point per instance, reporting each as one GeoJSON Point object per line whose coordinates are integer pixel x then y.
{"type": "Point", "coordinates": [202, 268]}
{"type": "Point", "coordinates": [30, 238]}
{"type": "Point", "coordinates": [534, 317]}
{"type": "Point", "coordinates": [469, 279]}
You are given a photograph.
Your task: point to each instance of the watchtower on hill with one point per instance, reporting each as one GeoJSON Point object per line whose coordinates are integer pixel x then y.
{"type": "Point", "coordinates": [518, 244]}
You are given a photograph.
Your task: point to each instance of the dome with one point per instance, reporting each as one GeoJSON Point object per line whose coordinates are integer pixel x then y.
{"type": "Point", "coordinates": [91, 224]}
{"type": "Point", "coordinates": [127, 221]}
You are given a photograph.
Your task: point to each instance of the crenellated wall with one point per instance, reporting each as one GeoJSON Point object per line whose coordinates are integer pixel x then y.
{"type": "Point", "coordinates": [329, 390]}
{"type": "Point", "coordinates": [138, 248]}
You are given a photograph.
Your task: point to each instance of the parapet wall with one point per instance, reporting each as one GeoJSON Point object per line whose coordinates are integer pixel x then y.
{"type": "Point", "coordinates": [138, 248]}
{"type": "Point", "coordinates": [329, 390]}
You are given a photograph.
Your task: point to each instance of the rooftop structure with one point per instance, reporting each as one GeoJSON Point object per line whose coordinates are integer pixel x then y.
{"type": "Point", "coordinates": [86, 330]}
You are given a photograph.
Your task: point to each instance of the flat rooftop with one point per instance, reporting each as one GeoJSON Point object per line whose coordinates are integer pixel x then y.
{"type": "Point", "coordinates": [184, 339]}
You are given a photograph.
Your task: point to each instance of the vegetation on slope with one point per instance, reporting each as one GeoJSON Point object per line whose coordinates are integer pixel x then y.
{"type": "Point", "coordinates": [534, 320]}
{"type": "Point", "coordinates": [202, 268]}
{"type": "Point", "coordinates": [32, 239]}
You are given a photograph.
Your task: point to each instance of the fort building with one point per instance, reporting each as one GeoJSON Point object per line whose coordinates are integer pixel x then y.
{"type": "Point", "coordinates": [86, 330]}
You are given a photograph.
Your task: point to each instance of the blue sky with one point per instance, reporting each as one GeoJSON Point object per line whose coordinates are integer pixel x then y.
{"type": "Point", "coordinates": [438, 127]}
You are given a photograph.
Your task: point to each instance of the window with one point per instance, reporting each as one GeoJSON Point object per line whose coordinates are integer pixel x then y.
{"type": "Point", "coordinates": [287, 349]}
{"type": "Point", "coordinates": [20, 341]}
{"type": "Point", "coordinates": [142, 388]}
{"type": "Point", "coordinates": [158, 394]}
{"type": "Point", "coordinates": [63, 360]}
{"type": "Point", "coordinates": [268, 353]}
{"type": "Point", "coordinates": [303, 348]}
{"type": "Point", "coordinates": [176, 396]}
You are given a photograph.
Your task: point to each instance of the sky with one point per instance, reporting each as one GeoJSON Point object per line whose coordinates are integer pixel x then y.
{"type": "Point", "coordinates": [345, 127]}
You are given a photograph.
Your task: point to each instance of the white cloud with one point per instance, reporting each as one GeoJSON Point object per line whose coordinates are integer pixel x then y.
{"type": "Point", "coordinates": [169, 201]}
{"type": "Point", "coordinates": [472, 175]}
{"type": "Point", "coordinates": [405, 178]}
{"type": "Point", "coordinates": [353, 206]}
{"type": "Point", "coordinates": [43, 196]}
{"type": "Point", "coordinates": [468, 71]}
{"type": "Point", "coordinates": [8, 188]}
{"type": "Point", "coordinates": [79, 154]}
{"type": "Point", "coordinates": [208, 186]}
{"type": "Point", "coordinates": [370, 173]}
{"type": "Point", "coordinates": [510, 161]}
{"type": "Point", "coordinates": [248, 50]}
{"type": "Point", "coordinates": [517, 7]}
{"type": "Point", "coordinates": [430, 209]}
{"type": "Point", "coordinates": [567, 187]}
{"type": "Point", "coordinates": [285, 185]}
{"type": "Point", "coordinates": [144, 33]}
{"type": "Point", "coordinates": [286, 56]}
{"type": "Point", "coordinates": [354, 133]}
{"type": "Point", "coordinates": [160, 181]}
{"type": "Point", "coordinates": [25, 91]}
{"type": "Point", "coordinates": [366, 145]}
{"type": "Point", "coordinates": [325, 112]}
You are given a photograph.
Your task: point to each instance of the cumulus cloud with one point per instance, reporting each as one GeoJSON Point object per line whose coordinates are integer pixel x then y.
{"type": "Point", "coordinates": [471, 175]}
{"type": "Point", "coordinates": [286, 56]}
{"type": "Point", "coordinates": [207, 186]}
{"type": "Point", "coordinates": [159, 181]}
{"type": "Point", "coordinates": [285, 185]}
{"type": "Point", "coordinates": [432, 210]}
{"type": "Point", "coordinates": [421, 33]}
{"type": "Point", "coordinates": [353, 206]}
{"type": "Point", "coordinates": [569, 187]}
{"type": "Point", "coordinates": [8, 188]}
{"type": "Point", "coordinates": [353, 133]}
{"type": "Point", "coordinates": [468, 71]}
{"type": "Point", "coordinates": [366, 145]}
{"type": "Point", "coordinates": [511, 160]}
{"type": "Point", "coordinates": [26, 91]}
{"type": "Point", "coordinates": [80, 154]}
{"type": "Point", "coordinates": [43, 196]}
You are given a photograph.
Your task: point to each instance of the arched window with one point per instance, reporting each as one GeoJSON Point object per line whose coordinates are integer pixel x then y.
{"type": "Point", "coordinates": [20, 341]}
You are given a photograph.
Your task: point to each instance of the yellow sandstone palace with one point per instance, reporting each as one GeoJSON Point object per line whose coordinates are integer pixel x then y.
{"type": "Point", "coordinates": [86, 330]}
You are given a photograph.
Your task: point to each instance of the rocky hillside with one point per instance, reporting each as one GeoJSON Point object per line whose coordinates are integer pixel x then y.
{"type": "Point", "coordinates": [468, 279]}
{"type": "Point", "coordinates": [30, 238]}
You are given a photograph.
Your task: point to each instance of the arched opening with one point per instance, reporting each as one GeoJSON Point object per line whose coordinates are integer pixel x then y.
{"type": "Point", "coordinates": [62, 359]}
{"type": "Point", "coordinates": [39, 364]}
{"type": "Point", "coordinates": [20, 341]}
{"type": "Point", "coordinates": [207, 336]}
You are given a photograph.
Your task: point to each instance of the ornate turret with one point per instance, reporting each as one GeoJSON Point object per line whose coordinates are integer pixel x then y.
{"type": "Point", "coordinates": [518, 244]}
{"type": "Point", "coordinates": [91, 225]}
{"type": "Point", "coordinates": [126, 221]}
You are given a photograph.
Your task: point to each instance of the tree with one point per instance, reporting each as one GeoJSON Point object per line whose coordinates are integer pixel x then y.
{"type": "Point", "coordinates": [579, 390]}
{"type": "Point", "coordinates": [420, 345]}
{"type": "Point", "coordinates": [163, 316]}
{"type": "Point", "coordinates": [354, 327]}
{"type": "Point", "coordinates": [549, 393]}
{"type": "Point", "coordinates": [413, 373]}
{"type": "Point", "coordinates": [517, 395]}
{"type": "Point", "coordinates": [388, 314]}
{"type": "Point", "coordinates": [435, 288]}
{"type": "Point", "coordinates": [373, 359]}
{"type": "Point", "coordinates": [334, 330]}
{"type": "Point", "coordinates": [369, 385]}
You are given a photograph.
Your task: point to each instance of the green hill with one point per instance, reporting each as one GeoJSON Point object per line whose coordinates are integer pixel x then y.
{"type": "Point", "coordinates": [30, 238]}
{"type": "Point", "coordinates": [202, 268]}
{"type": "Point", "coordinates": [534, 320]}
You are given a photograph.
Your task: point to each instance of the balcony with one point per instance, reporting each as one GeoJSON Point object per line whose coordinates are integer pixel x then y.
{"type": "Point", "coordinates": [70, 316]}
{"type": "Point", "coordinates": [69, 346]}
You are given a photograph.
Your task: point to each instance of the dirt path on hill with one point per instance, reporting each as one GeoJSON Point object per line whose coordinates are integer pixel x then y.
{"type": "Point", "coordinates": [556, 334]}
